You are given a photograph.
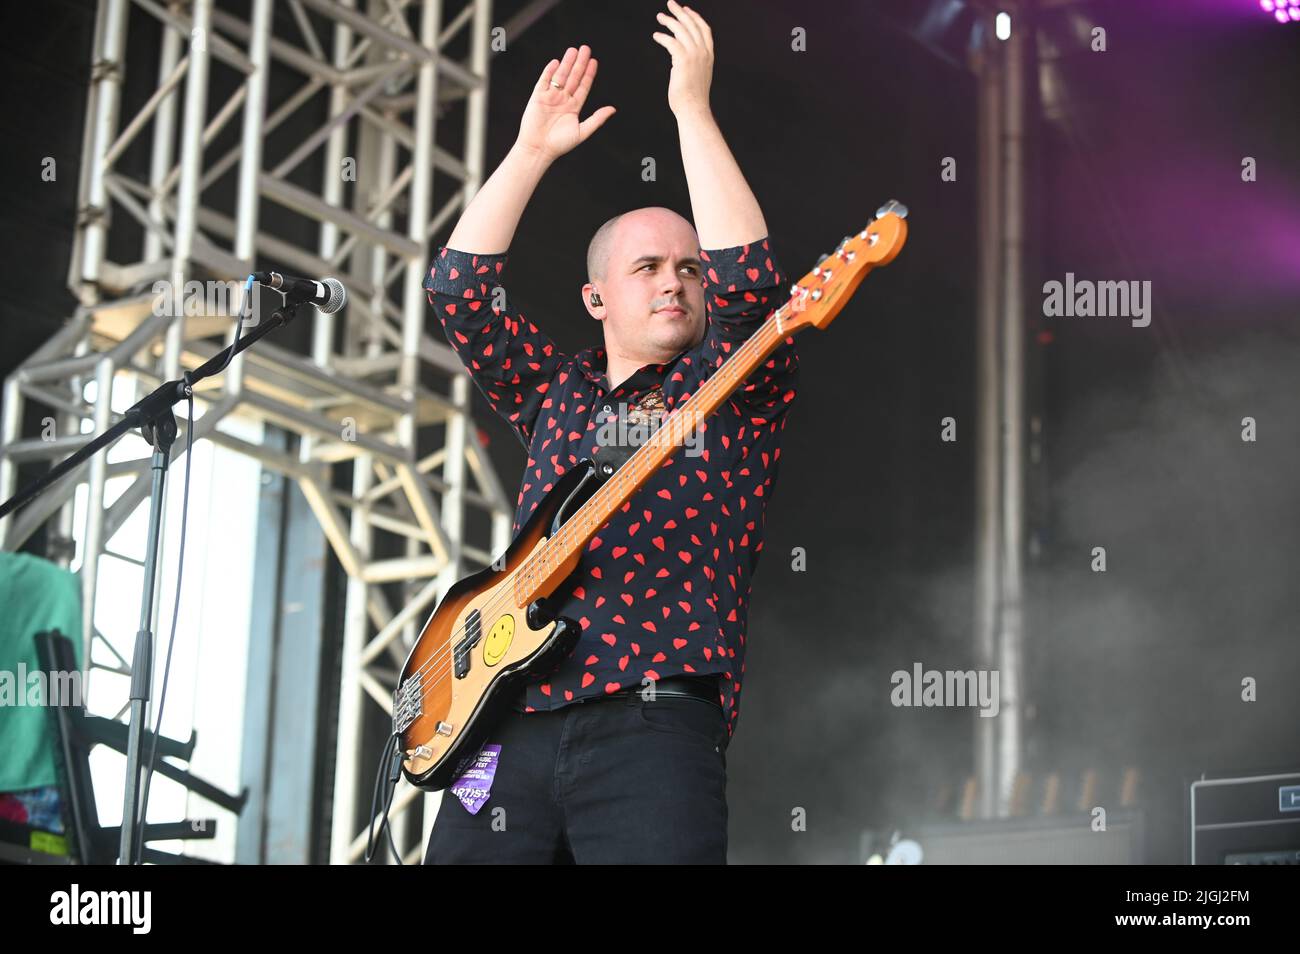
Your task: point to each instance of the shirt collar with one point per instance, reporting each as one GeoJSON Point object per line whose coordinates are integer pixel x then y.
{"type": "Point", "coordinates": [593, 363]}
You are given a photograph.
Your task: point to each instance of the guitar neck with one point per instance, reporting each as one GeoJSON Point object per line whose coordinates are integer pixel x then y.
{"type": "Point", "coordinates": [556, 558]}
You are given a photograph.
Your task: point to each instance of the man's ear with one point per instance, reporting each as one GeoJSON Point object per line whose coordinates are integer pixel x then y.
{"type": "Point", "coordinates": [591, 300]}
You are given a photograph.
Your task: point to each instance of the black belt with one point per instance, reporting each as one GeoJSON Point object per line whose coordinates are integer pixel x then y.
{"type": "Point", "coordinates": [683, 686]}
{"type": "Point", "coordinates": [695, 687]}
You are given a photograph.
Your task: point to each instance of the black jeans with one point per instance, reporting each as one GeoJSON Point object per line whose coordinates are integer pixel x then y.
{"type": "Point", "coordinates": [615, 781]}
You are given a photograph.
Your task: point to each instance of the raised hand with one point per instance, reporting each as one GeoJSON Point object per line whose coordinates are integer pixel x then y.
{"type": "Point", "coordinates": [550, 125]}
{"type": "Point", "coordinates": [691, 45]}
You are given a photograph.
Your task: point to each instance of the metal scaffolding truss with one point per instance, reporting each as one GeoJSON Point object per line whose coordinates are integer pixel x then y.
{"type": "Point", "coordinates": [378, 74]}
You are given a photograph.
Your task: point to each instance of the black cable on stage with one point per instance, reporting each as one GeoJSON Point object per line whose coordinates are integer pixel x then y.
{"type": "Point", "coordinates": [391, 746]}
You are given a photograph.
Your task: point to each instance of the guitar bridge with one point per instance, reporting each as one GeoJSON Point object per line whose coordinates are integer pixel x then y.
{"type": "Point", "coordinates": [408, 704]}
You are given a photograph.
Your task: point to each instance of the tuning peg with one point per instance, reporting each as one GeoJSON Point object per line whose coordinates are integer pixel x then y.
{"type": "Point", "coordinates": [823, 257]}
{"type": "Point", "coordinates": [893, 205]}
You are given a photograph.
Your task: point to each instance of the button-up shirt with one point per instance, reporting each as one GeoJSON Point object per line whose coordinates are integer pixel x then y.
{"type": "Point", "coordinates": [663, 586]}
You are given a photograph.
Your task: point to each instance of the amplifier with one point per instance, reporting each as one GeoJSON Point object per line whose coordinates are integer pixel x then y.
{"type": "Point", "coordinates": [1246, 820]}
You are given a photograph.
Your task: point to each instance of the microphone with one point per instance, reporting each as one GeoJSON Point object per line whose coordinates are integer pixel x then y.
{"type": "Point", "coordinates": [328, 295]}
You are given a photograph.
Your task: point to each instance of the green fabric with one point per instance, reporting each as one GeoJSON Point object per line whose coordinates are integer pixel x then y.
{"type": "Point", "coordinates": [35, 596]}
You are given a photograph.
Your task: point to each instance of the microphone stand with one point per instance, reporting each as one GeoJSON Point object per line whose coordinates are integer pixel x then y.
{"type": "Point", "coordinates": [153, 415]}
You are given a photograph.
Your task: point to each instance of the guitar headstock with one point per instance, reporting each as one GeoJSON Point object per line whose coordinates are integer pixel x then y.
{"type": "Point", "coordinates": [818, 297]}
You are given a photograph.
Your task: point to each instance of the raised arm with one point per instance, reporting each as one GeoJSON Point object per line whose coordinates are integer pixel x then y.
{"type": "Point", "coordinates": [725, 210]}
{"type": "Point", "coordinates": [743, 282]}
{"type": "Point", "coordinates": [512, 361]}
{"type": "Point", "coordinates": [549, 128]}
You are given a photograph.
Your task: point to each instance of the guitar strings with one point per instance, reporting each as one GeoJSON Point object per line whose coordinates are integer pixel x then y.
{"type": "Point", "coordinates": [441, 661]}
{"type": "Point", "coordinates": [439, 664]}
{"type": "Point", "coordinates": [625, 477]}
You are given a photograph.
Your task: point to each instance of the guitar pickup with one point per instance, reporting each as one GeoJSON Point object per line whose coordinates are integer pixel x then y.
{"type": "Point", "coordinates": [461, 653]}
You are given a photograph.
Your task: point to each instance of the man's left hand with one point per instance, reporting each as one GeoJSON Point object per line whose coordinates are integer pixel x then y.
{"type": "Point", "coordinates": [691, 45]}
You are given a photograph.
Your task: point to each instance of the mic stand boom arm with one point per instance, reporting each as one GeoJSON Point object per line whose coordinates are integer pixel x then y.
{"type": "Point", "coordinates": [150, 408]}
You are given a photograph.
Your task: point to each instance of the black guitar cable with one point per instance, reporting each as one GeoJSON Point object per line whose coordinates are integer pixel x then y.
{"type": "Point", "coordinates": [394, 763]}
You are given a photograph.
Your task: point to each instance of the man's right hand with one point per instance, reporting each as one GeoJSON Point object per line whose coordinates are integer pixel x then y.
{"type": "Point", "coordinates": [550, 125]}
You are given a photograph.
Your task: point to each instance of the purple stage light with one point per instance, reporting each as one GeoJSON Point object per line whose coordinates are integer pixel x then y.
{"type": "Point", "coordinates": [1284, 11]}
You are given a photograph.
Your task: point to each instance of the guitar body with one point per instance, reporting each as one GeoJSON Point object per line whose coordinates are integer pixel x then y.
{"type": "Point", "coordinates": [479, 648]}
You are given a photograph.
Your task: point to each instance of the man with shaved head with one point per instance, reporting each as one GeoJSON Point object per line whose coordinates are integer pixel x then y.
{"type": "Point", "coordinates": [623, 274]}
{"type": "Point", "coordinates": [619, 754]}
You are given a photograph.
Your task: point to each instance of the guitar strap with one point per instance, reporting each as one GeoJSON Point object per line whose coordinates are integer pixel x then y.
{"type": "Point", "coordinates": [637, 422]}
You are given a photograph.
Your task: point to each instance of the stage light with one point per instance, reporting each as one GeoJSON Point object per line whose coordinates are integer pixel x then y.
{"type": "Point", "coordinates": [1002, 26]}
{"type": "Point", "coordinates": [1284, 11]}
